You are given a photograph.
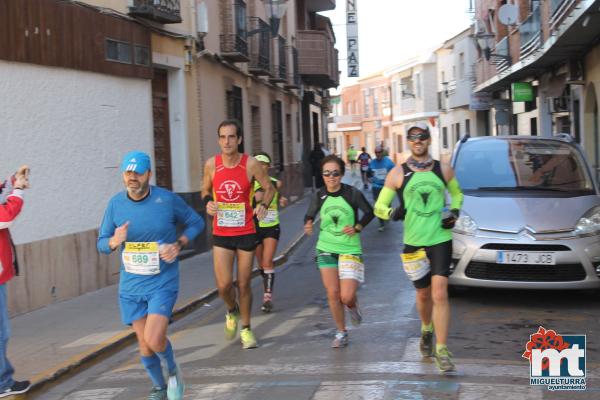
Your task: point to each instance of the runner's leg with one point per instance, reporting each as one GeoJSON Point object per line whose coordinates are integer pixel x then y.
{"type": "Point", "coordinates": [223, 267]}
{"type": "Point", "coordinates": [149, 359]}
{"type": "Point", "coordinates": [424, 304]}
{"type": "Point", "coordinates": [348, 289]}
{"type": "Point", "coordinates": [244, 272]}
{"type": "Point", "coordinates": [331, 282]}
{"type": "Point", "coordinates": [441, 308]}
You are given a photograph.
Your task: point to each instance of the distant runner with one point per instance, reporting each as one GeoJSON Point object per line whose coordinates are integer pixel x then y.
{"type": "Point", "coordinates": [379, 168]}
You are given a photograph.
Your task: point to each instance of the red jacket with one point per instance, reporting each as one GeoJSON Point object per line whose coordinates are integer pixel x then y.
{"type": "Point", "coordinates": [8, 212]}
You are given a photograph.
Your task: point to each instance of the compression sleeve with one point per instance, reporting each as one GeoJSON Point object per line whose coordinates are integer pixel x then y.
{"type": "Point", "coordinates": [456, 194]}
{"type": "Point", "coordinates": [382, 205]}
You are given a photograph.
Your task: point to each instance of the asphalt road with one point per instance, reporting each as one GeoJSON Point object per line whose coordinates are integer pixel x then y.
{"type": "Point", "coordinates": [488, 333]}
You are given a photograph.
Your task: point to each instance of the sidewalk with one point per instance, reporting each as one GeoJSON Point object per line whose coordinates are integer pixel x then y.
{"type": "Point", "coordinates": [58, 339]}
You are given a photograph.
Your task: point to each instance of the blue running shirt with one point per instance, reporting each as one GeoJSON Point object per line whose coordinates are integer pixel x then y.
{"type": "Point", "coordinates": [152, 219]}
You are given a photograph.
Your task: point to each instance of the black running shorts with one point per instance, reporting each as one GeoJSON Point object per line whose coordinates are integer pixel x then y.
{"type": "Point", "coordinates": [440, 258]}
{"type": "Point", "coordinates": [268, 232]}
{"type": "Point", "coordinates": [242, 242]}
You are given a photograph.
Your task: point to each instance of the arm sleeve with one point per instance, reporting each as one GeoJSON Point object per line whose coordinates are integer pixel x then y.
{"type": "Point", "coordinates": [194, 224]}
{"type": "Point", "coordinates": [365, 207]}
{"type": "Point", "coordinates": [107, 229]}
{"type": "Point", "coordinates": [11, 209]}
{"type": "Point", "coordinates": [383, 202]}
{"type": "Point", "coordinates": [456, 194]}
{"type": "Point", "coordinates": [313, 208]}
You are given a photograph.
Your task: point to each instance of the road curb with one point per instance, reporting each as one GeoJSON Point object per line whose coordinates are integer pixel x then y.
{"type": "Point", "coordinates": [87, 358]}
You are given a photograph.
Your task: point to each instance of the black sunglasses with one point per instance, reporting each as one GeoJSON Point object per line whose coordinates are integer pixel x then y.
{"type": "Point", "coordinates": [335, 174]}
{"type": "Point", "coordinates": [421, 136]}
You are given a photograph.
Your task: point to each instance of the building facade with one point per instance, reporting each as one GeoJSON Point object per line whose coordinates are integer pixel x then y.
{"type": "Point", "coordinates": [456, 63]}
{"type": "Point", "coordinates": [103, 77]}
{"type": "Point", "coordinates": [551, 49]}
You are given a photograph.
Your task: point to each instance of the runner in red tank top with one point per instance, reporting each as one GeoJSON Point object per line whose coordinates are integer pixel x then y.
{"type": "Point", "coordinates": [227, 192]}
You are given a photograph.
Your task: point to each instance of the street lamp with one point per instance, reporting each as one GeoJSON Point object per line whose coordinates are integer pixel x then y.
{"type": "Point", "coordinates": [275, 10]}
{"type": "Point", "coordinates": [486, 41]}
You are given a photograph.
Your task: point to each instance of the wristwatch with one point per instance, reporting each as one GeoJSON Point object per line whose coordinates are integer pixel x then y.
{"type": "Point", "coordinates": [357, 227]}
{"type": "Point", "coordinates": [180, 243]}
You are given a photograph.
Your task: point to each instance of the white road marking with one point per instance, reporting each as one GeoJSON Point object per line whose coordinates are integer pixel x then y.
{"type": "Point", "coordinates": [290, 324]}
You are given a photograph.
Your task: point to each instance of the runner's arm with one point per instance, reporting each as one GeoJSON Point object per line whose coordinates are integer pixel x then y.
{"type": "Point", "coordinates": [107, 230]}
{"type": "Point", "coordinates": [393, 180]}
{"type": "Point", "coordinates": [263, 179]}
{"type": "Point", "coordinates": [209, 168]}
{"type": "Point", "coordinates": [194, 224]}
{"type": "Point", "coordinates": [456, 194]}
{"type": "Point", "coordinates": [366, 209]}
{"type": "Point", "coordinates": [313, 208]}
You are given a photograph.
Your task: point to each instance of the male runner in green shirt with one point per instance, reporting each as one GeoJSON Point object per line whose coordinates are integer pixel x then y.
{"type": "Point", "coordinates": [421, 183]}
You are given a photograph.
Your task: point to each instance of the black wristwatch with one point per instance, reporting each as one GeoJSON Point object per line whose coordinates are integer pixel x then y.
{"type": "Point", "coordinates": [180, 243]}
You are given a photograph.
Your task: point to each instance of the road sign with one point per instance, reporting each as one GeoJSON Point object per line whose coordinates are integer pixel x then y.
{"type": "Point", "coordinates": [352, 37]}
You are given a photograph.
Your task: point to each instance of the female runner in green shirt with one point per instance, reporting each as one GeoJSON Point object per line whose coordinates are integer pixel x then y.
{"type": "Point", "coordinates": [339, 251]}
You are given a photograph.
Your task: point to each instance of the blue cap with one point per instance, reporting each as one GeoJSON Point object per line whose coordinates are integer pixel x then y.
{"type": "Point", "coordinates": [136, 161]}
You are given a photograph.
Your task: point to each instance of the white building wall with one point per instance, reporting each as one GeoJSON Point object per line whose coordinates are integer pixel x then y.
{"type": "Point", "coordinates": [72, 128]}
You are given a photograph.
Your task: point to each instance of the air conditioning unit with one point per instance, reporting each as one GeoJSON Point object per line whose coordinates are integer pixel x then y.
{"type": "Point", "coordinates": [558, 104]}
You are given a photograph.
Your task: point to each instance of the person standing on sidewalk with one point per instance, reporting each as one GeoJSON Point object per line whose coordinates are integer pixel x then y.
{"type": "Point", "coordinates": [268, 232]}
{"type": "Point", "coordinates": [339, 251]}
{"type": "Point", "coordinates": [11, 203]}
{"type": "Point", "coordinates": [141, 221]}
{"type": "Point", "coordinates": [363, 160]}
{"type": "Point", "coordinates": [378, 169]}
{"type": "Point", "coordinates": [421, 183]}
{"type": "Point", "coordinates": [227, 192]}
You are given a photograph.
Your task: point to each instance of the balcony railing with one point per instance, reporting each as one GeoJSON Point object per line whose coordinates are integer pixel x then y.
{"type": "Point", "coordinates": [318, 62]}
{"type": "Point", "coordinates": [530, 32]}
{"type": "Point", "coordinates": [294, 80]}
{"type": "Point", "coordinates": [260, 47]}
{"type": "Point", "coordinates": [234, 46]}
{"type": "Point", "coordinates": [559, 10]}
{"type": "Point", "coordinates": [162, 11]}
{"type": "Point", "coordinates": [501, 49]}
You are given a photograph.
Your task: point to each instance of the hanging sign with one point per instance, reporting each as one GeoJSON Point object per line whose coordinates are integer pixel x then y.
{"type": "Point", "coordinates": [352, 37]}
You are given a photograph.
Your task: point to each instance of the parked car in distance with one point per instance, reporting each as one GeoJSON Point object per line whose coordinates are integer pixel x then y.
{"type": "Point", "coordinates": [531, 215]}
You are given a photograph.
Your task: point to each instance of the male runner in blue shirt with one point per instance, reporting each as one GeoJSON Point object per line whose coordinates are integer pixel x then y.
{"type": "Point", "coordinates": [378, 169]}
{"type": "Point", "coordinates": [141, 221]}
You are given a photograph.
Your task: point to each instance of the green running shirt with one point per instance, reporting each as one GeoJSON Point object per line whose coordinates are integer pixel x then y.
{"type": "Point", "coordinates": [423, 196]}
{"type": "Point", "coordinates": [338, 210]}
{"type": "Point", "coordinates": [272, 218]}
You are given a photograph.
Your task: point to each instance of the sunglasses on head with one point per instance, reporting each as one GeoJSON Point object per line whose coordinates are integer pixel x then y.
{"type": "Point", "coordinates": [335, 174]}
{"type": "Point", "coordinates": [421, 136]}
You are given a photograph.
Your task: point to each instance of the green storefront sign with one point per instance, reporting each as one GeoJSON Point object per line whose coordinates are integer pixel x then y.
{"type": "Point", "coordinates": [522, 91]}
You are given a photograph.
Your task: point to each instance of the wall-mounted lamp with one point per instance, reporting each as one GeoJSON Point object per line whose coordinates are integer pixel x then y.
{"type": "Point", "coordinates": [275, 10]}
{"type": "Point", "coordinates": [486, 41]}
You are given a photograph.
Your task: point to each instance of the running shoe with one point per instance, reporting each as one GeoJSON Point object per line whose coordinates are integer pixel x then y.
{"type": "Point", "coordinates": [267, 303]}
{"type": "Point", "coordinates": [231, 324]}
{"type": "Point", "coordinates": [157, 394]}
{"type": "Point", "coordinates": [443, 360]}
{"type": "Point", "coordinates": [17, 387]}
{"type": "Point", "coordinates": [176, 386]}
{"type": "Point", "coordinates": [355, 315]}
{"type": "Point", "coordinates": [426, 344]}
{"type": "Point", "coordinates": [340, 340]}
{"type": "Point", "coordinates": [248, 339]}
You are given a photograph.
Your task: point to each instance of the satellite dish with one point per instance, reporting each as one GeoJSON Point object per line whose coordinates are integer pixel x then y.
{"type": "Point", "coordinates": [508, 14]}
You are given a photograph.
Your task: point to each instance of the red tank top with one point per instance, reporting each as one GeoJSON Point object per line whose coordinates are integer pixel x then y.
{"type": "Point", "coordinates": [233, 192]}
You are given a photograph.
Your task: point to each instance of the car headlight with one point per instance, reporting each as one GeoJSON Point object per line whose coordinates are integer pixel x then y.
{"type": "Point", "coordinates": [465, 224]}
{"type": "Point", "coordinates": [589, 224]}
